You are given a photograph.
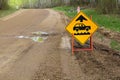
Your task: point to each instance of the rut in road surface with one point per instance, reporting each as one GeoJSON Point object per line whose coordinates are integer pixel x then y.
{"type": "Point", "coordinates": [25, 59]}
{"type": "Point", "coordinates": [59, 64]}
{"type": "Point", "coordinates": [103, 63]}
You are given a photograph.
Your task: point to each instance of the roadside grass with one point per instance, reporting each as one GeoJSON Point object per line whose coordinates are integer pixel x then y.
{"type": "Point", "coordinates": [68, 10]}
{"type": "Point", "coordinates": [6, 12]}
{"type": "Point", "coordinates": [115, 45]}
{"type": "Point", "coordinates": [111, 22]}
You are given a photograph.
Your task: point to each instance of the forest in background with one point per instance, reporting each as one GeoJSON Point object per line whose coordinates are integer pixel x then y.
{"type": "Point", "coordinates": [103, 6]}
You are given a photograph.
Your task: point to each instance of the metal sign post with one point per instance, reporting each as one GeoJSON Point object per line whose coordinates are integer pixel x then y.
{"type": "Point", "coordinates": [79, 49]}
{"type": "Point", "coordinates": [81, 28]}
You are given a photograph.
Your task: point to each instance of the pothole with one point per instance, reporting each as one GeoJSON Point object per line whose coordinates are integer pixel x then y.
{"type": "Point", "coordinates": [36, 36]}
{"type": "Point", "coordinates": [43, 34]}
{"type": "Point", "coordinates": [40, 33]}
{"type": "Point", "coordinates": [22, 37]}
{"type": "Point", "coordinates": [38, 39]}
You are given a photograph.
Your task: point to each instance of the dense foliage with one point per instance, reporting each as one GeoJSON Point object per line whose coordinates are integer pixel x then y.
{"type": "Point", "coordinates": [4, 4]}
{"type": "Point", "coordinates": [108, 6]}
{"type": "Point", "coordinates": [36, 3]}
{"type": "Point", "coordinates": [103, 6]}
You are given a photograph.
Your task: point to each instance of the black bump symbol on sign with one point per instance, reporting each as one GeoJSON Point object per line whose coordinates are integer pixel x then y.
{"type": "Point", "coordinates": [81, 26]}
{"type": "Point", "coordinates": [81, 18]}
{"type": "Point", "coordinates": [85, 33]}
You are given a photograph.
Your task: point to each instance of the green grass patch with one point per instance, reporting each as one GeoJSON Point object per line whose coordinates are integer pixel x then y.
{"type": "Point", "coordinates": [108, 21]}
{"type": "Point", "coordinates": [115, 45]}
{"type": "Point", "coordinates": [68, 10]}
{"type": "Point", "coordinates": [6, 12]}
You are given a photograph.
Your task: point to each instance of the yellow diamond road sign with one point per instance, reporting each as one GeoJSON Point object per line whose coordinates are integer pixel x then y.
{"type": "Point", "coordinates": [81, 27]}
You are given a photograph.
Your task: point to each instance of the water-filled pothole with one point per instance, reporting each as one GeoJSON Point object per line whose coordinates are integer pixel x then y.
{"type": "Point", "coordinates": [43, 34]}
{"type": "Point", "coordinates": [36, 36]}
{"type": "Point", "coordinates": [39, 39]}
{"type": "Point", "coordinates": [22, 37]}
{"type": "Point", "coordinates": [40, 33]}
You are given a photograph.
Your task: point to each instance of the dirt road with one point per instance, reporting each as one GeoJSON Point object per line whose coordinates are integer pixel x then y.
{"type": "Point", "coordinates": [23, 58]}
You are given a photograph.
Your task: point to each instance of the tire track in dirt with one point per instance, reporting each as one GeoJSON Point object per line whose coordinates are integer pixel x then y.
{"type": "Point", "coordinates": [110, 34]}
{"type": "Point", "coordinates": [103, 63]}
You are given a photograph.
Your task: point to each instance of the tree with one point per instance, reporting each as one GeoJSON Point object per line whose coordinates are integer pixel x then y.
{"type": "Point", "coordinates": [108, 6]}
{"type": "Point", "coordinates": [4, 4]}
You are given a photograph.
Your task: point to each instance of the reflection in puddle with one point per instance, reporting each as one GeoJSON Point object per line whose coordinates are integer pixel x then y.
{"type": "Point", "coordinates": [39, 36]}
{"type": "Point", "coordinates": [40, 33]}
{"type": "Point", "coordinates": [39, 39]}
{"type": "Point", "coordinates": [22, 37]}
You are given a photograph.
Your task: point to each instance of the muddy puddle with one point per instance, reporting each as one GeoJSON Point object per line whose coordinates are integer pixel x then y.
{"type": "Point", "coordinates": [38, 36]}
{"type": "Point", "coordinates": [35, 36]}
{"type": "Point", "coordinates": [40, 33]}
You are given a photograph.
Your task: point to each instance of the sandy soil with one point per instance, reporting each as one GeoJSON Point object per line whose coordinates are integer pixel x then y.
{"type": "Point", "coordinates": [24, 59]}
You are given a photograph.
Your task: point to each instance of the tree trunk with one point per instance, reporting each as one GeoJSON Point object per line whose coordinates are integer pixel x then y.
{"type": "Point", "coordinates": [3, 4]}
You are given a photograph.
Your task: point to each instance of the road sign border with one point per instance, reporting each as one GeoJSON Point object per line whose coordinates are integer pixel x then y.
{"type": "Point", "coordinates": [89, 19]}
